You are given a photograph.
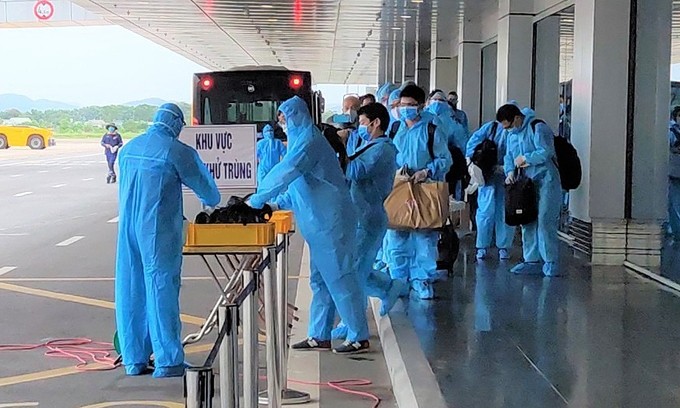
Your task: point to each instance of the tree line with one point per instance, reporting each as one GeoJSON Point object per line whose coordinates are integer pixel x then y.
{"type": "Point", "coordinates": [130, 120]}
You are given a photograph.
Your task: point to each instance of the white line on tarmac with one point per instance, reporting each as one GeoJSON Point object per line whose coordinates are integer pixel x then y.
{"type": "Point", "coordinates": [65, 168]}
{"type": "Point", "coordinates": [70, 241]}
{"type": "Point", "coordinates": [88, 179]}
{"type": "Point", "coordinates": [16, 175]}
{"type": "Point", "coordinates": [112, 220]}
{"type": "Point", "coordinates": [58, 186]}
{"type": "Point", "coordinates": [23, 234]}
{"type": "Point", "coordinates": [19, 404]}
{"type": "Point", "coordinates": [43, 171]}
{"type": "Point", "coordinates": [23, 194]}
{"type": "Point", "coordinates": [6, 269]}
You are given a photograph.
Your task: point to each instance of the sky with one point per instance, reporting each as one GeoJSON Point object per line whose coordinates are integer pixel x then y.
{"type": "Point", "coordinates": [100, 66]}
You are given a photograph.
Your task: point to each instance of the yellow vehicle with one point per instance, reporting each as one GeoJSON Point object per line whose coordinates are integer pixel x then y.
{"type": "Point", "coordinates": [33, 137]}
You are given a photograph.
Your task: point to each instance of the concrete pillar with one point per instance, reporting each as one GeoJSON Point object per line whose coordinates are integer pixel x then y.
{"type": "Point", "coordinates": [398, 28]}
{"type": "Point", "coordinates": [546, 100]}
{"type": "Point", "coordinates": [444, 66]}
{"type": "Point", "coordinates": [410, 45]}
{"type": "Point", "coordinates": [469, 68]}
{"type": "Point", "coordinates": [515, 51]}
{"type": "Point", "coordinates": [389, 54]}
{"type": "Point", "coordinates": [599, 124]}
{"type": "Point", "coordinates": [424, 45]}
{"type": "Point", "coordinates": [648, 208]}
{"type": "Point", "coordinates": [489, 72]}
{"type": "Point", "coordinates": [382, 61]}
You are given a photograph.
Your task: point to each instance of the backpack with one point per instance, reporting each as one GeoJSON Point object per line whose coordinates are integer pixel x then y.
{"type": "Point", "coordinates": [566, 159]}
{"type": "Point", "coordinates": [332, 137]}
{"type": "Point", "coordinates": [431, 129]}
{"type": "Point", "coordinates": [485, 155]}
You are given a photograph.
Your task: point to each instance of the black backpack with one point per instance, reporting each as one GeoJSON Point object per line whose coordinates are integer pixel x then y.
{"type": "Point", "coordinates": [485, 155]}
{"type": "Point", "coordinates": [566, 159]}
{"type": "Point", "coordinates": [448, 247]}
{"type": "Point", "coordinates": [331, 135]}
{"type": "Point", "coordinates": [521, 201]}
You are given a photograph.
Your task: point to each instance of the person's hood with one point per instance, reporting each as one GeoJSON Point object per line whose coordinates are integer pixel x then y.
{"type": "Point", "coordinates": [297, 117]}
{"type": "Point", "coordinates": [529, 116]}
{"type": "Point", "coordinates": [440, 108]}
{"type": "Point", "coordinates": [407, 83]}
{"type": "Point", "coordinates": [394, 96]}
{"type": "Point", "coordinates": [268, 132]}
{"type": "Point", "coordinates": [169, 119]}
{"type": "Point", "coordinates": [385, 91]}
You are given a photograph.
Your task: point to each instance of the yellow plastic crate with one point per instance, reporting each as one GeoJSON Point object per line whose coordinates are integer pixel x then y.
{"type": "Point", "coordinates": [213, 235]}
{"type": "Point", "coordinates": [284, 221]}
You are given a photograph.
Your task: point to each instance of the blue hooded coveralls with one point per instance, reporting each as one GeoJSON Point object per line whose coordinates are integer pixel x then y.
{"type": "Point", "coordinates": [674, 181]}
{"type": "Point", "coordinates": [310, 182]}
{"type": "Point", "coordinates": [270, 151]}
{"type": "Point", "coordinates": [491, 196]}
{"type": "Point", "coordinates": [412, 255]}
{"type": "Point", "coordinates": [112, 140]}
{"type": "Point", "coordinates": [539, 239]}
{"type": "Point", "coordinates": [153, 168]}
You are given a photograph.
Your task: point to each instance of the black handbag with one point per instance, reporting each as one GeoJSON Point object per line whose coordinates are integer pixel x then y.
{"type": "Point", "coordinates": [521, 201]}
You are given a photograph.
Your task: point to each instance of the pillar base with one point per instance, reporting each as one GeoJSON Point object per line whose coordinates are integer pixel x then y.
{"type": "Point", "coordinates": [612, 242]}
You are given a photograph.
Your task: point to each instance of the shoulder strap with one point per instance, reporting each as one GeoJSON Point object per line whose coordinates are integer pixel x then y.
{"type": "Point", "coordinates": [394, 129]}
{"type": "Point", "coordinates": [431, 129]}
{"type": "Point", "coordinates": [494, 130]}
{"type": "Point", "coordinates": [536, 122]}
{"type": "Point", "coordinates": [361, 151]}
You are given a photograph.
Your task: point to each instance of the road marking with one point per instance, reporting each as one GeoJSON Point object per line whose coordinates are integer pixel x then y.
{"type": "Point", "coordinates": [44, 171]}
{"type": "Point", "coordinates": [6, 269]}
{"type": "Point", "coordinates": [58, 186]}
{"type": "Point", "coordinates": [65, 168]}
{"type": "Point", "coordinates": [105, 304]}
{"type": "Point", "coordinates": [23, 194]}
{"type": "Point", "coordinates": [15, 175]}
{"type": "Point", "coordinates": [70, 241]}
{"type": "Point", "coordinates": [88, 179]}
{"type": "Point", "coordinates": [19, 404]}
{"type": "Point", "coordinates": [112, 220]}
{"type": "Point", "coordinates": [23, 234]}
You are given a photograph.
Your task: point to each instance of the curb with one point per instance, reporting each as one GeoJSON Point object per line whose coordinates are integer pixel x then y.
{"type": "Point", "coordinates": [413, 381]}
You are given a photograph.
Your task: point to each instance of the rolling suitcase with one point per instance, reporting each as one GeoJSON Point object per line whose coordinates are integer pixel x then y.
{"type": "Point", "coordinates": [448, 247]}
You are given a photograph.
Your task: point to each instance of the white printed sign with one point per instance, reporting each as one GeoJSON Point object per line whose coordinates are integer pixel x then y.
{"type": "Point", "coordinates": [228, 151]}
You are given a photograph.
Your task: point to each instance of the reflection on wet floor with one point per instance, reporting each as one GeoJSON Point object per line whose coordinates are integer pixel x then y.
{"type": "Point", "coordinates": [594, 339]}
{"type": "Point", "coordinates": [670, 261]}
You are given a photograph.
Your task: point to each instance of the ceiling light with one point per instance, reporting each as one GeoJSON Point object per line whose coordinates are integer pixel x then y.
{"type": "Point", "coordinates": [396, 28]}
{"type": "Point", "coordinates": [266, 6]}
{"type": "Point", "coordinates": [405, 16]}
{"type": "Point", "coordinates": [273, 20]}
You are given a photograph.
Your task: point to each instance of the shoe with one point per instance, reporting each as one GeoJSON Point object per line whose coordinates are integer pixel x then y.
{"type": "Point", "coordinates": [137, 369]}
{"type": "Point", "coordinates": [108, 179]}
{"type": "Point", "coordinates": [170, 372]}
{"type": "Point", "coordinates": [396, 289]}
{"type": "Point", "coordinates": [481, 254]}
{"type": "Point", "coordinates": [551, 270]}
{"type": "Point", "coordinates": [503, 254]}
{"type": "Point", "coordinates": [349, 347]}
{"type": "Point", "coordinates": [423, 289]}
{"type": "Point", "coordinates": [527, 268]}
{"type": "Point", "coordinates": [340, 332]}
{"type": "Point", "coordinates": [312, 344]}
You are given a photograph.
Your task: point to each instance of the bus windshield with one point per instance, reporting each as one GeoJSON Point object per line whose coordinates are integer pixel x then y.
{"type": "Point", "coordinates": [250, 96]}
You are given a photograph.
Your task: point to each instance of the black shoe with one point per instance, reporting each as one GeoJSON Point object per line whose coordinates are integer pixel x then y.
{"type": "Point", "coordinates": [357, 347]}
{"type": "Point", "coordinates": [312, 344]}
{"type": "Point", "coordinates": [108, 179]}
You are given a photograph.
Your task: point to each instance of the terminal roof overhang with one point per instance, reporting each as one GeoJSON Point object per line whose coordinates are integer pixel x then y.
{"type": "Point", "coordinates": [338, 40]}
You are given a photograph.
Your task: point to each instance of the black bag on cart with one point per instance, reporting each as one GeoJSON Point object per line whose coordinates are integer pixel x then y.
{"type": "Point", "coordinates": [521, 201]}
{"type": "Point", "coordinates": [448, 247]}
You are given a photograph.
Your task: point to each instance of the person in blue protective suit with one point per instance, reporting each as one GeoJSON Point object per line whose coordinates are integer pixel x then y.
{"type": "Point", "coordinates": [674, 175]}
{"type": "Point", "coordinates": [531, 150]}
{"type": "Point", "coordinates": [491, 196]}
{"type": "Point", "coordinates": [112, 142]}
{"type": "Point", "coordinates": [153, 168]}
{"type": "Point", "coordinates": [270, 151]}
{"type": "Point", "coordinates": [310, 182]}
{"type": "Point", "coordinates": [412, 255]}
{"type": "Point", "coordinates": [458, 114]}
{"type": "Point", "coordinates": [384, 92]}
{"type": "Point", "coordinates": [371, 174]}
